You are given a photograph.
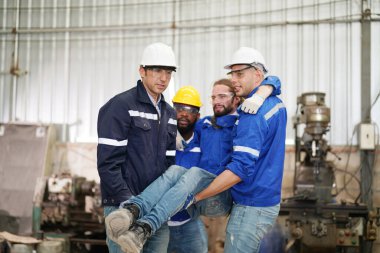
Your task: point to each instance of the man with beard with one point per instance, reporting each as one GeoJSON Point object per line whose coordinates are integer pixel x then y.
{"type": "Point", "coordinates": [187, 234]}
{"type": "Point", "coordinates": [254, 172]}
{"type": "Point", "coordinates": [140, 216]}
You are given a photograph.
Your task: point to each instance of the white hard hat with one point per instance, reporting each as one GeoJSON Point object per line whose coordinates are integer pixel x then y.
{"type": "Point", "coordinates": [249, 56]}
{"type": "Point", "coordinates": [158, 54]}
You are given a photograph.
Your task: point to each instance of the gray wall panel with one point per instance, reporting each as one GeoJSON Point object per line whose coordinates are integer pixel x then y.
{"type": "Point", "coordinates": [78, 54]}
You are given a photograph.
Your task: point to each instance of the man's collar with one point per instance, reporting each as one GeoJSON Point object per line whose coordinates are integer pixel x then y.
{"type": "Point", "coordinates": [190, 139]}
{"type": "Point", "coordinates": [153, 100]}
{"type": "Point", "coordinates": [226, 120]}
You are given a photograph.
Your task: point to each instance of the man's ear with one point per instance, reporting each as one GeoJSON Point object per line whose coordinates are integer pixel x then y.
{"type": "Point", "coordinates": [238, 100]}
{"type": "Point", "coordinates": [198, 115]}
{"type": "Point", "coordinates": [259, 74]}
{"type": "Point", "coordinates": [142, 71]}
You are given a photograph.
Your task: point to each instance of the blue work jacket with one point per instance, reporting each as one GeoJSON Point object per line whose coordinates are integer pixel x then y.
{"type": "Point", "coordinates": [188, 157]}
{"type": "Point", "coordinates": [216, 142]}
{"type": "Point", "coordinates": [258, 154]}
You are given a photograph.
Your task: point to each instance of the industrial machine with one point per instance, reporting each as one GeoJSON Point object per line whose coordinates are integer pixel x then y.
{"type": "Point", "coordinates": [315, 222]}
{"type": "Point", "coordinates": [314, 176]}
{"type": "Point", "coordinates": [70, 208]}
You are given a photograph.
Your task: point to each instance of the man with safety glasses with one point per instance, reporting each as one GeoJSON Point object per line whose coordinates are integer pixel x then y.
{"type": "Point", "coordinates": [254, 172]}
{"type": "Point", "coordinates": [136, 144]}
{"type": "Point", "coordinates": [187, 234]}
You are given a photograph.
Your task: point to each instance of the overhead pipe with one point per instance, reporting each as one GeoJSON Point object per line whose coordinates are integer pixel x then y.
{"type": "Point", "coordinates": [15, 68]}
{"type": "Point", "coordinates": [178, 26]}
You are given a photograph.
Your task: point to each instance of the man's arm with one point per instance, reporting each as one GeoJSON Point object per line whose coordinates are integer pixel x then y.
{"type": "Point", "coordinates": [270, 86]}
{"type": "Point", "coordinates": [113, 127]}
{"type": "Point", "coordinates": [273, 81]}
{"type": "Point", "coordinates": [247, 145]}
{"type": "Point", "coordinates": [224, 181]}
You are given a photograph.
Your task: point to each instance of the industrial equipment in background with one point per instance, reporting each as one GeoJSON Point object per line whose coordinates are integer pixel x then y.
{"type": "Point", "coordinates": [63, 211]}
{"type": "Point", "coordinates": [69, 208]}
{"type": "Point", "coordinates": [314, 176]}
{"type": "Point", "coordinates": [315, 221]}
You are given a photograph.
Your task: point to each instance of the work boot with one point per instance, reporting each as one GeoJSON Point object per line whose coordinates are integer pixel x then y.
{"type": "Point", "coordinates": [134, 240]}
{"type": "Point", "coordinates": [119, 221]}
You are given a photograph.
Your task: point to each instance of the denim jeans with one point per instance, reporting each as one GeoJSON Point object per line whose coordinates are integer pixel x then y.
{"type": "Point", "coordinates": [247, 226]}
{"type": "Point", "coordinates": [215, 206]}
{"type": "Point", "coordinates": [158, 243]}
{"type": "Point", "coordinates": [274, 240]}
{"type": "Point", "coordinates": [167, 195]}
{"type": "Point", "coordinates": [190, 237]}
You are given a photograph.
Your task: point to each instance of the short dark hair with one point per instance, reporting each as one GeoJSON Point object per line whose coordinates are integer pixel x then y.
{"type": "Point", "coordinates": [159, 67]}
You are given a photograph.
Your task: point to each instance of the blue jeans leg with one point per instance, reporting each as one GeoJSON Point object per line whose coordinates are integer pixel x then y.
{"type": "Point", "coordinates": [158, 243]}
{"type": "Point", "coordinates": [147, 199]}
{"type": "Point", "coordinates": [191, 182]}
{"type": "Point", "coordinates": [247, 226]}
{"type": "Point", "coordinates": [190, 237]}
{"type": "Point", "coordinates": [273, 241]}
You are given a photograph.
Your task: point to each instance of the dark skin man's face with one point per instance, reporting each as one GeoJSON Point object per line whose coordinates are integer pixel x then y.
{"type": "Point", "coordinates": [187, 116]}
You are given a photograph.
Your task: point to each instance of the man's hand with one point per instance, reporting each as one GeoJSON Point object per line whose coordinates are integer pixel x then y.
{"type": "Point", "coordinates": [252, 105]}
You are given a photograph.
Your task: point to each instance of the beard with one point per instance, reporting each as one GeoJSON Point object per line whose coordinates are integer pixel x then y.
{"type": "Point", "coordinates": [225, 111]}
{"type": "Point", "coordinates": [183, 130]}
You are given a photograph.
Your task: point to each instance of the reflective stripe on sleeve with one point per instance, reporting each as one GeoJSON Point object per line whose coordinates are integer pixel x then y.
{"type": "Point", "coordinates": [272, 111]}
{"type": "Point", "coordinates": [247, 150]}
{"type": "Point", "coordinates": [172, 121]}
{"type": "Point", "coordinates": [112, 142]}
{"type": "Point", "coordinates": [145, 115]}
{"type": "Point", "coordinates": [170, 152]}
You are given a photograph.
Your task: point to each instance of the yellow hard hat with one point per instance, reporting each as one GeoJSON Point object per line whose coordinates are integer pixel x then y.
{"type": "Point", "coordinates": [188, 95]}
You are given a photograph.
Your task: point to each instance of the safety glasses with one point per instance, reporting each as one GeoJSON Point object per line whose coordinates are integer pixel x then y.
{"type": "Point", "coordinates": [239, 73]}
{"type": "Point", "coordinates": [185, 108]}
{"type": "Point", "coordinates": [222, 96]}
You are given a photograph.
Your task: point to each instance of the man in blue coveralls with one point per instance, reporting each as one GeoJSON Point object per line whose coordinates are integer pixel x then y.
{"type": "Point", "coordinates": [187, 234]}
{"type": "Point", "coordinates": [254, 174]}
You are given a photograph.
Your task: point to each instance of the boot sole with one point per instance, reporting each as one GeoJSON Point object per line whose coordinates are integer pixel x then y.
{"type": "Point", "coordinates": [127, 244]}
{"type": "Point", "coordinates": [123, 221]}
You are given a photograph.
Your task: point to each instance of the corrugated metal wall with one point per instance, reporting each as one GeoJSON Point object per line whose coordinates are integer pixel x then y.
{"type": "Point", "coordinates": [72, 56]}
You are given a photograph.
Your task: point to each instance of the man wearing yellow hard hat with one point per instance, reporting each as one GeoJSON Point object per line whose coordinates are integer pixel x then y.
{"type": "Point", "coordinates": [187, 234]}
{"type": "Point", "coordinates": [187, 103]}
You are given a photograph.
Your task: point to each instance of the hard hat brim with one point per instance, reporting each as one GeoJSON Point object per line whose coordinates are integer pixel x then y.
{"type": "Point", "coordinates": [229, 66]}
{"type": "Point", "coordinates": [160, 67]}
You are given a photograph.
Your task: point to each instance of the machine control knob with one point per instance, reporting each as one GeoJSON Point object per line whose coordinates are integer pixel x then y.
{"type": "Point", "coordinates": [297, 233]}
